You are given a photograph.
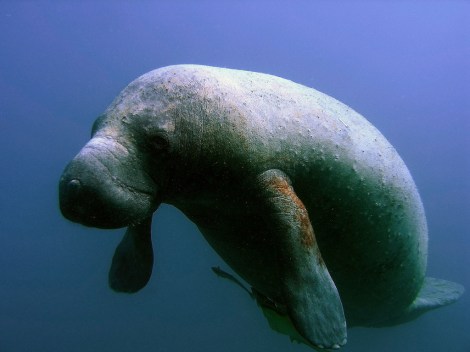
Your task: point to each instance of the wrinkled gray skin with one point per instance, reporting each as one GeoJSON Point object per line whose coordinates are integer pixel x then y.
{"type": "Point", "coordinates": [297, 192]}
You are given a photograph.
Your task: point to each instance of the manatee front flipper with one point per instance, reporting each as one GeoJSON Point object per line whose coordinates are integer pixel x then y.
{"type": "Point", "coordinates": [277, 319]}
{"type": "Point", "coordinates": [312, 300]}
{"type": "Point", "coordinates": [133, 259]}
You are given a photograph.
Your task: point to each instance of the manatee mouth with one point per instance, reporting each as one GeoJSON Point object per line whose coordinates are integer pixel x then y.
{"type": "Point", "coordinates": [94, 193]}
{"type": "Point", "coordinates": [120, 206]}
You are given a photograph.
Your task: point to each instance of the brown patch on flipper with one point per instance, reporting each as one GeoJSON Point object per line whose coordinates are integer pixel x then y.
{"type": "Point", "coordinates": [307, 236]}
{"type": "Point", "coordinates": [310, 295]}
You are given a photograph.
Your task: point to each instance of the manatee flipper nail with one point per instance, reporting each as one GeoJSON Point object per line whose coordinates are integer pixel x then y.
{"type": "Point", "coordinates": [311, 297]}
{"type": "Point", "coordinates": [132, 263]}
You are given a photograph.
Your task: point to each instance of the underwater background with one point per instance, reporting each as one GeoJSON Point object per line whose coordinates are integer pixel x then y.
{"type": "Point", "coordinates": [404, 65]}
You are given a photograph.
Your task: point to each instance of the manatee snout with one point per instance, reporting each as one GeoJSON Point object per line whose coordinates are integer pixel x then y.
{"type": "Point", "coordinates": [105, 187]}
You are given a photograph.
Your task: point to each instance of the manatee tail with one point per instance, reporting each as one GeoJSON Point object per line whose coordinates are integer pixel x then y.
{"type": "Point", "coordinates": [434, 293]}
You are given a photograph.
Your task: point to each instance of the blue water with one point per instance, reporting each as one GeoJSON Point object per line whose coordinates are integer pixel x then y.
{"type": "Point", "coordinates": [403, 65]}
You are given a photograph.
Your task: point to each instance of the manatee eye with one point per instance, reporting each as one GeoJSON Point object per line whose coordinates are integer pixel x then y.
{"type": "Point", "coordinates": [158, 142]}
{"type": "Point", "coordinates": [97, 124]}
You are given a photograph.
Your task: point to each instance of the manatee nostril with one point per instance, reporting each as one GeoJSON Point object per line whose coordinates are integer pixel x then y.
{"type": "Point", "coordinates": [71, 198]}
{"type": "Point", "coordinates": [73, 187]}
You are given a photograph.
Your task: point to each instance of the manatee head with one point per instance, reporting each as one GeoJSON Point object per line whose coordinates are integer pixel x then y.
{"type": "Point", "coordinates": [118, 177]}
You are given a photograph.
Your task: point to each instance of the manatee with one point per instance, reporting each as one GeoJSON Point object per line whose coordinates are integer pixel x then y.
{"type": "Point", "coordinates": [299, 194]}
